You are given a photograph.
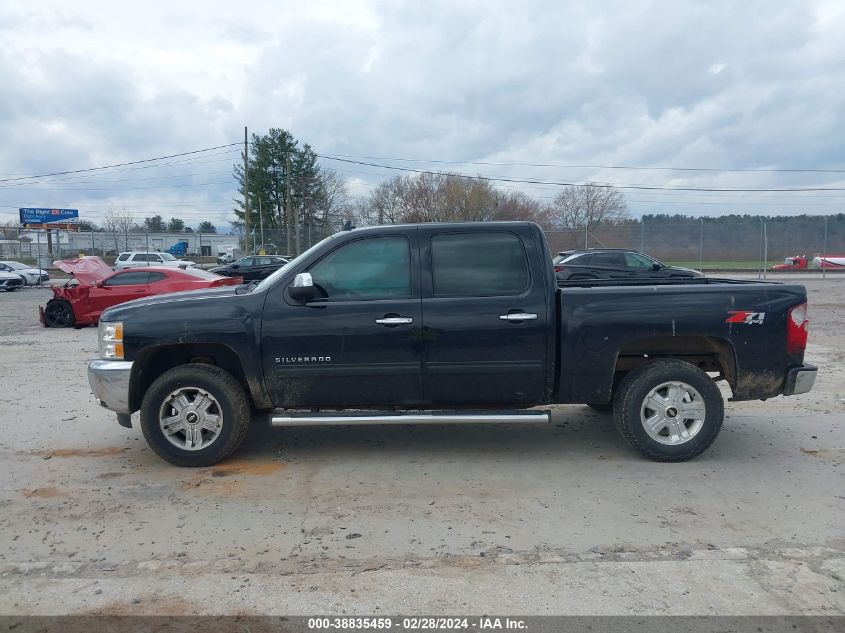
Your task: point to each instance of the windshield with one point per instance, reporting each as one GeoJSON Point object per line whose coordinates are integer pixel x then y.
{"type": "Point", "coordinates": [167, 257]}
{"type": "Point", "coordinates": [269, 281]}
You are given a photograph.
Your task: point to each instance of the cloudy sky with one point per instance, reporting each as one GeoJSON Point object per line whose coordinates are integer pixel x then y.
{"type": "Point", "coordinates": [737, 86]}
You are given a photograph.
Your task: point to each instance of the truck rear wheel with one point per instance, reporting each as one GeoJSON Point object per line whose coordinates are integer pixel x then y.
{"type": "Point", "coordinates": [669, 410]}
{"type": "Point", "coordinates": [195, 415]}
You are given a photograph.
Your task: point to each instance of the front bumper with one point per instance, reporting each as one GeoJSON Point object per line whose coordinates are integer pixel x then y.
{"type": "Point", "coordinates": [109, 380]}
{"type": "Point", "coordinates": [799, 380]}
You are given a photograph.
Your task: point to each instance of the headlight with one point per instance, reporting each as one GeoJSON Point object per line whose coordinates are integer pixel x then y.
{"type": "Point", "coordinates": [111, 340]}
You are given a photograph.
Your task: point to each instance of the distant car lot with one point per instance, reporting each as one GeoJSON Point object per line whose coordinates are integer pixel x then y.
{"type": "Point", "coordinates": [552, 519]}
{"type": "Point", "coordinates": [614, 263]}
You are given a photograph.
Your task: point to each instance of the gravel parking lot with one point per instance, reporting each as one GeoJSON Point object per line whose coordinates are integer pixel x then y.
{"type": "Point", "coordinates": [554, 519]}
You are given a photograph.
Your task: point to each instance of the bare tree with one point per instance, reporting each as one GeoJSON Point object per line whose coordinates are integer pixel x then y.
{"type": "Point", "coordinates": [579, 205]}
{"type": "Point", "coordinates": [117, 222]}
{"type": "Point", "coordinates": [443, 197]}
{"type": "Point", "coordinates": [332, 199]}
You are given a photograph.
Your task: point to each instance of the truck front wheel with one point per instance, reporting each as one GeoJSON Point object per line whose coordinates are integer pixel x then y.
{"type": "Point", "coordinates": [195, 415]}
{"type": "Point", "coordinates": [669, 410]}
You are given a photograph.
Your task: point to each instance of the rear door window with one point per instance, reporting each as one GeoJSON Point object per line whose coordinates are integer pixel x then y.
{"type": "Point", "coordinates": [613, 260]}
{"type": "Point", "coordinates": [123, 257]}
{"type": "Point", "coordinates": [154, 277]}
{"type": "Point", "coordinates": [482, 264]}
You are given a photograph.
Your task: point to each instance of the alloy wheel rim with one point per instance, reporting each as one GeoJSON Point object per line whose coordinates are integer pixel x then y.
{"type": "Point", "coordinates": [673, 413]}
{"type": "Point", "coordinates": [191, 418]}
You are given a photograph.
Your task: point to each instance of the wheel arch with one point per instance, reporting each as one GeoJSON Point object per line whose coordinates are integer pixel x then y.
{"type": "Point", "coordinates": [708, 353]}
{"type": "Point", "coordinates": [153, 361]}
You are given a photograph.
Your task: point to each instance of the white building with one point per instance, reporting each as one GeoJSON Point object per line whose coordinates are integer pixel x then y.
{"type": "Point", "coordinates": [69, 244]}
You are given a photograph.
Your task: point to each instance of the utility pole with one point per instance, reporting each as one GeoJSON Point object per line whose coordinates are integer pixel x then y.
{"type": "Point", "coordinates": [824, 250]}
{"type": "Point", "coordinates": [701, 246]}
{"type": "Point", "coordinates": [642, 235]}
{"type": "Point", "coordinates": [765, 250]}
{"type": "Point", "coordinates": [586, 234]}
{"type": "Point", "coordinates": [261, 221]}
{"type": "Point", "coordinates": [287, 201]}
{"type": "Point", "coordinates": [246, 189]}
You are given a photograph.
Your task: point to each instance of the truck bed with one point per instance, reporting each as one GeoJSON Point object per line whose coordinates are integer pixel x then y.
{"type": "Point", "coordinates": [733, 327]}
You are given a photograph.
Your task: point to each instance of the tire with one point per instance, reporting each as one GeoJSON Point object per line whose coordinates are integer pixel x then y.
{"type": "Point", "coordinates": [184, 387]}
{"type": "Point", "coordinates": [58, 313]}
{"type": "Point", "coordinates": [602, 407]}
{"type": "Point", "coordinates": [684, 397]}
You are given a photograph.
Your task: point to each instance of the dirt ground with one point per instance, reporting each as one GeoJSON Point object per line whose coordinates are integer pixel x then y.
{"type": "Point", "coordinates": [548, 519]}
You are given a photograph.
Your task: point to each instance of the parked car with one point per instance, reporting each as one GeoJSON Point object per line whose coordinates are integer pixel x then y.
{"type": "Point", "coordinates": [252, 267]}
{"type": "Point", "coordinates": [136, 260]}
{"type": "Point", "coordinates": [30, 275]}
{"type": "Point", "coordinates": [82, 304]}
{"type": "Point", "coordinates": [389, 325]}
{"type": "Point", "coordinates": [10, 281]}
{"type": "Point", "coordinates": [614, 263]}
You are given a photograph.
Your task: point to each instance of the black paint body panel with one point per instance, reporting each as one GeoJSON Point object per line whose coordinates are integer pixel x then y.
{"type": "Point", "coordinates": [457, 352]}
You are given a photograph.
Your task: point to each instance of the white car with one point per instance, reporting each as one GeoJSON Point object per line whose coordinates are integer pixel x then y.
{"type": "Point", "coordinates": [10, 281]}
{"type": "Point", "coordinates": [29, 275]}
{"type": "Point", "coordinates": [136, 260]}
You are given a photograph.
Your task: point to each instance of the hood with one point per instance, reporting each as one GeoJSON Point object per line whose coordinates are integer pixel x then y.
{"type": "Point", "coordinates": [116, 313]}
{"type": "Point", "coordinates": [87, 269]}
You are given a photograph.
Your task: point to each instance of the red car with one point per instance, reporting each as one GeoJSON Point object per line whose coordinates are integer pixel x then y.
{"type": "Point", "coordinates": [82, 304]}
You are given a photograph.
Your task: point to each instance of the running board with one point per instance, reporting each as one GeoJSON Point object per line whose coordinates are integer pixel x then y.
{"type": "Point", "coordinates": [417, 417]}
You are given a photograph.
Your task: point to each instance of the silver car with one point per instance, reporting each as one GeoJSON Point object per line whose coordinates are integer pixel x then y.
{"type": "Point", "coordinates": [29, 275]}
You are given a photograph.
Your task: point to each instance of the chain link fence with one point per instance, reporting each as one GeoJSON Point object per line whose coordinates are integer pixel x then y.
{"type": "Point", "coordinates": [41, 247]}
{"type": "Point", "coordinates": [715, 243]}
{"type": "Point", "coordinates": [707, 243]}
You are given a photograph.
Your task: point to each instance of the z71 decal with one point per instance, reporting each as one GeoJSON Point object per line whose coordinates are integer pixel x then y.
{"type": "Point", "coordinates": [746, 317]}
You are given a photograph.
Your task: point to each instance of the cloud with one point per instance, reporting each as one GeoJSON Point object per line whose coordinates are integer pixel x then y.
{"type": "Point", "coordinates": [718, 84]}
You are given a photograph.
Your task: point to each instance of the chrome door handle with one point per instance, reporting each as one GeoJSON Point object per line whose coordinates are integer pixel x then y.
{"type": "Point", "coordinates": [394, 321]}
{"type": "Point", "coordinates": [518, 316]}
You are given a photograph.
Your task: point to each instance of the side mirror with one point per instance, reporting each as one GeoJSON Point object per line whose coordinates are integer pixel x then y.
{"type": "Point", "coordinates": [235, 266]}
{"type": "Point", "coordinates": [655, 266]}
{"type": "Point", "coordinates": [101, 283]}
{"type": "Point", "coordinates": [302, 288]}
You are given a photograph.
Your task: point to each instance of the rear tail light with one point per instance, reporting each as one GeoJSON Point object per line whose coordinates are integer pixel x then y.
{"type": "Point", "coordinates": [796, 329]}
{"type": "Point", "coordinates": [558, 269]}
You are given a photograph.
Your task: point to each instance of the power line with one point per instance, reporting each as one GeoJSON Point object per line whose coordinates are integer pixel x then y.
{"type": "Point", "coordinates": [572, 184]}
{"type": "Point", "coordinates": [134, 162]}
{"type": "Point", "coordinates": [620, 167]}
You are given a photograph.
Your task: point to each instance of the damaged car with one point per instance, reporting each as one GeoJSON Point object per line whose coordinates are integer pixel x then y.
{"type": "Point", "coordinates": [93, 287]}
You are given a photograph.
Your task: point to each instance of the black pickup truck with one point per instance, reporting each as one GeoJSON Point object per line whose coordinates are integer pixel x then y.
{"type": "Point", "coordinates": [445, 323]}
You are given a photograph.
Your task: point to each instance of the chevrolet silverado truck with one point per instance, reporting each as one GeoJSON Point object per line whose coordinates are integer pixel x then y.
{"type": "Point", "coordinates": [443, 324]}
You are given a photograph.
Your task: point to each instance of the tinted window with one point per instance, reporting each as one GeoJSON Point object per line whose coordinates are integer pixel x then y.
{"type": "Point", "coordinates": [245, 261]}
{"type": "Point", "coordinates": [123, 257]}
{"type": "Point", "coordinates": [371, 268]}
{"type": "Point", "coordinates": [128, 279]}
{"type": "Point", "coordinates": [635, 260]}
{"type": "Point", "coordinates": [154, 277]}
{"type": "Point", "coordinates": [262, 261]}
{"type": "Point", "coordinates": [608, 259]}
{"type": "Point", "coordinates": [478, 265]}
{"type": "Point", "coordinates": [141, 257]}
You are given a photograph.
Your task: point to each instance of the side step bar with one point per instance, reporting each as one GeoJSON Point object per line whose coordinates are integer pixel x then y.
{"type": "Point", "coordinates": [414, 417]}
